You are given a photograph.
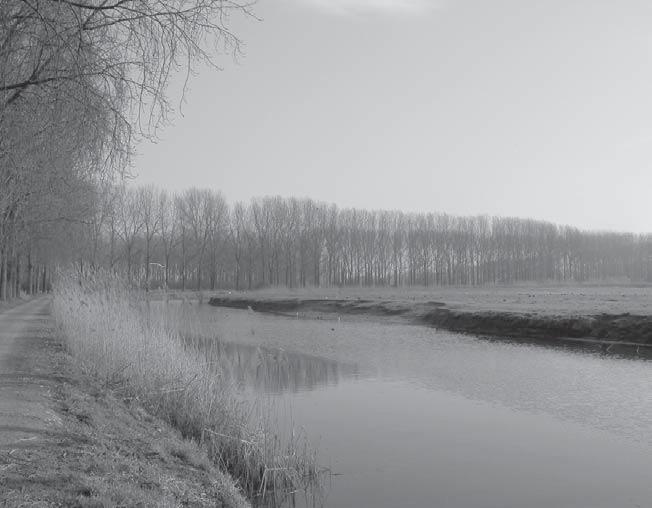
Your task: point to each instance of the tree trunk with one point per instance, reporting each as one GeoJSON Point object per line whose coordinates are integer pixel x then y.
{"type": "Point", "coordinates": [147, 257]}
{"type": "Point", "coordinates": [30, 278]}
{"type": "Point", "coordinates": [17, 280]}
{"type": "Point", "coordinates": [3, 277]}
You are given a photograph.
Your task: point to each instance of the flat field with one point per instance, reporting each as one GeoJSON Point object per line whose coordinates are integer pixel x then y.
{"type": "Point", "coordinates": [545, 300]}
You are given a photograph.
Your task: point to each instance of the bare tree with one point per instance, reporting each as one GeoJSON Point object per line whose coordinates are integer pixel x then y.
{"type": "Point", "coordinates": [150, 204]}
{"type": "Point", "coordinates": [124, 51]}
{"type": "Point", "coordinates": [131, 224]}
{"type": "Point", "coordinates": [168, 229]}
{"type": "Point", "coordinates": [81, 80]}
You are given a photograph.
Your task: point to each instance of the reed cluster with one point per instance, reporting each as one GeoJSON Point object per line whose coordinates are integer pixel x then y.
{"type": "Point", "coordinates": [142, 349]}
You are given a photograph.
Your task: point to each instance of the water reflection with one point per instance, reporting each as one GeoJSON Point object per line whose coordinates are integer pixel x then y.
{"type": "Point", "coordinates": [602, 392]}
{"type": "Point", "coordinates": [412, 417]}
{"type": "Point", "coordinates": [272, 370]}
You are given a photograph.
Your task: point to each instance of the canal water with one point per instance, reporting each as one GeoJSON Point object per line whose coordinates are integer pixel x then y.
{"type": "Point", "coordinates": [408, 416]}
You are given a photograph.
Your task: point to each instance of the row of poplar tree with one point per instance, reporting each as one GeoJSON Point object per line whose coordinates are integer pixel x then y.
{"type": "Point", "coordinates": [195, 240]}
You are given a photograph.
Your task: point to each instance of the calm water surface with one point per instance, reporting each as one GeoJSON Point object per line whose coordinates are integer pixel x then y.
{"type": "Point", "coordinates": [407, 416]}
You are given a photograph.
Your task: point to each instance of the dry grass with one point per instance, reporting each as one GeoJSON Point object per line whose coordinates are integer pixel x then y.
{"type": "Point", "coordinates": [136, 347]}
{"type": "Point", "coordinates": [99, 450]}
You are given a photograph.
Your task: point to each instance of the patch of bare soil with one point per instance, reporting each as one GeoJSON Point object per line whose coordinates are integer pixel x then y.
{"type": "Point", "coordinates": [101, 449]}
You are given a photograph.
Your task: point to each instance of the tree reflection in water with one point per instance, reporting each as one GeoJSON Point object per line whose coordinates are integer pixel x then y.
{"type": "Point", "coordinates": [271, 370]}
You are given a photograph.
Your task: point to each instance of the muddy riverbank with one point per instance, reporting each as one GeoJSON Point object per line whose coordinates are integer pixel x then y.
{"type": "Point", "coordinates": [621, 333]}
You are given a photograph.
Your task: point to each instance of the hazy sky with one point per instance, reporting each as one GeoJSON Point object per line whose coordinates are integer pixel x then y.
{"type": "Point", "coordinates": [506, 107]}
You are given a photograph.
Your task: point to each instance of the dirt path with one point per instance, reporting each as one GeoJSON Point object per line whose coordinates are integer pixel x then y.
{"type": "Point", "coordinates": [26, 419]}
{"type": "Point", "coordinates": [68, 440]}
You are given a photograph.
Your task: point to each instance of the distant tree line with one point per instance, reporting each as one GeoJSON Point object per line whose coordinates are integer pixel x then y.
{"type": "Point", "coordinates": [195, 240]}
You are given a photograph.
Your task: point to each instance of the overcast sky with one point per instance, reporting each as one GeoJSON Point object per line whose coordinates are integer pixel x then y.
{"type": "Point", "coordinates": [524, 108]}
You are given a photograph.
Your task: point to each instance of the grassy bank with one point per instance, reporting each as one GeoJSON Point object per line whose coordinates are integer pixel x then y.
{"type": "Point", "coordinates": [102, 448]}
{"type": "Point", "coordinates": [546, 299]}
{"type": "Point", "coordinates": [616, 319]}
{"type": "Point", "coordinates": [119, 338]}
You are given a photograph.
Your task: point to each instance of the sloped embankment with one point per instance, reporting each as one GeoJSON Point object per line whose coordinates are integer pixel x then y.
{"type": "Point", "coordinates": [622, 333]}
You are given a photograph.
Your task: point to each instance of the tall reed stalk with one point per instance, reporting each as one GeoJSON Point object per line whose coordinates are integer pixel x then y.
{"type": "Point", "coordinates": [116, 334]}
